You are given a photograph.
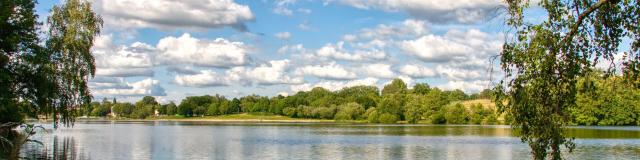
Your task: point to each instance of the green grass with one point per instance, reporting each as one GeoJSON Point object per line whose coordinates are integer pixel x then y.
{"type": "Point", "coordinates": [486, 103]}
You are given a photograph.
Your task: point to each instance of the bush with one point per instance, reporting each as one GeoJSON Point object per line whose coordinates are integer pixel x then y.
{"type": "Point", "coordinates": [372, 115]}
{"type": "Point", "coordinates": [456, 114]}
{"type": "Point", "coordinates": [289, 111]}
{"type": "Point", "coordinates": [388, 118]}
{"type": "Point", "coordinates": [437, 118]}
{"type": "Point", "coordinates": [349, 111]}
{"type": "Point", "coordinates": [490, 119]}
{"type": "Point", "coordinates": [326, 112]}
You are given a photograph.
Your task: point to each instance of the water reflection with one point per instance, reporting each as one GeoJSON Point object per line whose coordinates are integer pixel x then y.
{"type": "Point", "coordinates": [207, 140]}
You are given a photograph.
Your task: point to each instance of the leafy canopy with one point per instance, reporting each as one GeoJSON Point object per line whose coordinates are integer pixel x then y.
{"type": "Point", "coordinates": [542, 62]}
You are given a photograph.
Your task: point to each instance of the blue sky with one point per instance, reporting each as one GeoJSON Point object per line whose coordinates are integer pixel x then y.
{"type": "Point", "coordinates": [172, 49]}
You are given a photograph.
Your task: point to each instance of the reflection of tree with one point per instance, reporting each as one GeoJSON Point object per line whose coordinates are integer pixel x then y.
{"type": "Point", "coordinates": [58, 148]}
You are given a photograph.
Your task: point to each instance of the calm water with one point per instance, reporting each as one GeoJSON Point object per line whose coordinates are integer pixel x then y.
{"type": "Point", "coordinates": [210, 140]}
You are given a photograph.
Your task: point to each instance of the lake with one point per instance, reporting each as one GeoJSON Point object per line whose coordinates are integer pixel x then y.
{"type": "Point", "coordinates": [215, 140]}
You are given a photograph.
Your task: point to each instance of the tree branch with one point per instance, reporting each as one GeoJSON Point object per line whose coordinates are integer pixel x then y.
{"type": "Point", "coordinates": [581, 18]}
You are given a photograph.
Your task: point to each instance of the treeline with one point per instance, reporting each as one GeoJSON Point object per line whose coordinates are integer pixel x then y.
{"type": "Point", "coordinates": [363, 103]}
{"type": "Point", "coordinates": [606, 100]}
{"type": "Point", "coordinates": [600, 101]}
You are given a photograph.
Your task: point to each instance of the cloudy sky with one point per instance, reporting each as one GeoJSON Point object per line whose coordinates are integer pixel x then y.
{"type": "Point", "coordinates": [171, 49]}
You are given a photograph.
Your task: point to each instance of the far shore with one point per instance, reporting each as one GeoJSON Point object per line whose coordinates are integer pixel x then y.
{"type": "Point", "coordinates": [249, 118]}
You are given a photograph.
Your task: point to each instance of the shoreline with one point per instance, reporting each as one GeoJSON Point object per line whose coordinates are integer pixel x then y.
{"type": "Point", "coordinates": [212, 119]}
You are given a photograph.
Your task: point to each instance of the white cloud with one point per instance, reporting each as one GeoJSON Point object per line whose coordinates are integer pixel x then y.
{"type": "Point", "coordinates": [124, 72]}
{"type": "Point", "coordinates": [304, 25]}
{"type": "Point", "coordinates": [338, 52]}
{"type": "Point", "coordinates": [406, 79]}
{"type": "Point", "coordinates": [283, 35]}
{"type": "Point", "coordinates": [297, 48]}
{"type": "Point", "coordinates": [378, 70]}
{"type": "Point", "coordinates": [268, 74]}
{"type": "Point", "coordinates": [330, 71]}
{"type": "Point", "coordinates": [188, 50]}
{"type": "Point", "coordinates": [454, 45]}
{"type": "Point", "coordinates": [349, 37]}
{"type": "Point", "coordinates": [145, 87]}
{"type": "Point", "coordinates": [170, 14]}
{"type": "Point", "coordinates": [206, 78]}
{"type": "Point", "coordinates": [408, 28]}
{"type": "Point", "coordinates": [282, 11]}
{"type": "Point", "coordinates": [466, 86]}
{"type": "Point", "coordinates": [274, 72]}
{"type": "Point", "coordinates": [335, 85]}
{"type": "Point", "coordinates": [458, 74]}
{"type": "Point", "coordinates": [182, 70]}
{"type": "Point", "coordinates": [304, 10]}
{"type": "Point", "coordinates": [616, 65]}
{"type": "Point", "coordinates": [122, 61]}
{"type": "Point", "coordinates": [417, 71]}
{"type": "Point", "coordinates": [438, 11]}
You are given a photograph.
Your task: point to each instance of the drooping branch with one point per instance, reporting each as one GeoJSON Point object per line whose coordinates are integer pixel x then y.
{"type": "Point", "coordinates": [581, 18]}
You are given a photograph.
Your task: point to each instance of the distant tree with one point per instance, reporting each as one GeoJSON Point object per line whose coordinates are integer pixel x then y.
{"type": "Point", "coordinates": [456, 95]}
{"type": "Point", "coordinates": [349, 111]}
{"type": "Point", "coordinates": [171, 108]}
{"type": "Point", "coordinates": [456, 114]}
{"type": "Point", "coordinates": [421, 88]}
{"type": "Point", "coordinates": [123, 109]}
{"type": "Point", "coordinates": [289, 111]}
{"type": "Point", "coordinates": [388, 118]}
{"type": "Point", "coordinates": [396, 86]}
{"type": "Point", "coordinates": [372, 115]}
{"type": "Point", "coordinates": [326, 112]}
{"type": "Point", "coordinates": [415, 107]}
{"type": "Point", "coordinates": [100, 110]}
{"type": "Point", "coordinates": [234, 106]}
{"type": "Point", "coordinates": [392, 104]}
{"type": "Point", "coordinates": [363, 95]}
{"type": "Point", "coordinates": [185, 108]}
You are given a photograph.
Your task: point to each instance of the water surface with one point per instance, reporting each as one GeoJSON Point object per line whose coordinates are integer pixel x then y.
{"type": "Point", "coordinates": [211, 140]}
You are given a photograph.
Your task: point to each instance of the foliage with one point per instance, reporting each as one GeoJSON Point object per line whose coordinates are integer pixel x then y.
{"type": "Point", "coordinates": [456, 114]}
{"type": "Point", "coordinates": [542, 62]}
{"type": "Point", "coordinates": [52, 76]}
{"type": "Point", "coordinates": [349, 111]}
{"type": "Point", "coordinates": [388, 118]}
{"type": "Point", "coordinates": [397, 86]}
{"type": "Point", "coordinates": [372, 115]}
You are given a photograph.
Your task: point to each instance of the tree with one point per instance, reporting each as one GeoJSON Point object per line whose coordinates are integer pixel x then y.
{"type": "Point", "coordinates": [145, 107]}
{"type": "Point", "coordinates": [421, 88]}
{"type": "Point", "coordinates": [123, 109]}
{"type": "Point", "coordinates": [542, 62]}
{"type": "Point", "coordinates": [52, 76]}
{"type": "Point", "coordinates": [234, 106]}
{"type": "Point", "coordinates": [171, 108]}
{"type": "Point", "coordinates": [456, 114]}
{"type": "Point", "coordinates": [185, 108]}
{"type": "Point", "coordinates": [363, 95]}
{"type": "Point", "coordinates": [388, 118]}
{"type": "Point", "coordinates": [414, 108]}
{"type": "Point", "coordinates": [396, 86]}
{"type": "Point", "coordinates": [349, 111]}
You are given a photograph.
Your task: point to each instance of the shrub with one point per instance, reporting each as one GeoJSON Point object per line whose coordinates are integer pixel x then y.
{"type": "Point", "coordinates": [388, 118]}
{"type": "Point", "coordinates": [289, 111]}
{"type": "Point", "coordinates": [456, 114]}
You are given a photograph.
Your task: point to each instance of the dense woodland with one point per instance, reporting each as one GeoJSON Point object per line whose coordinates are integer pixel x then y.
{"type": "Point", "coordinates": [608, 103]}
